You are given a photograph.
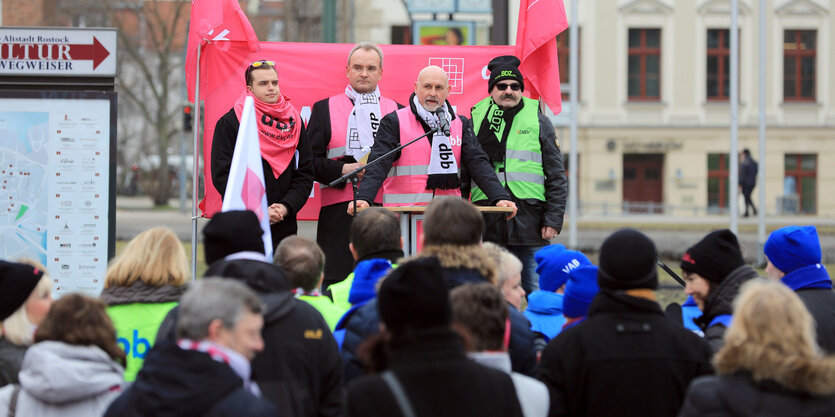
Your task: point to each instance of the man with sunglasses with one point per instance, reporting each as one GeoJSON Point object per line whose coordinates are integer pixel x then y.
{"type": "Point", "coordinates": [285, 151]}
{"type": "Point", "coordinates": [522, 146]}
{"type": "Point", "coordinates": [342, 129]}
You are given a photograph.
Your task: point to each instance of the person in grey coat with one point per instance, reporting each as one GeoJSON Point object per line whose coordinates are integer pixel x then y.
{"type": "Point", "coordinates": [75, 367]}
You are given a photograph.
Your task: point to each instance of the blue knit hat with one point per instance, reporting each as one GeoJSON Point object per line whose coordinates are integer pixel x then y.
{"type": "Point", "coordinates": [579, 291]}
{"type": "Point", "coordinates": [554, 262]}
{"type": "Point", "coordinates": [793, 247]}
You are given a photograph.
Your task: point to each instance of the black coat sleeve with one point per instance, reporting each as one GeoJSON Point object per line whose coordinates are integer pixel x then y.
{"type": "Point", "coordinates": [388, 138]}
{"type": "Point", "coordinates": [478, 166]}
{"type": "Point", "coordinates": [319, 133]}
{"type": "Point", "coordinates": [556, 185]}
{"type": "Point", "coordinates": [302, 180]}
{"type": "Point", "coordinates": [223, 146]}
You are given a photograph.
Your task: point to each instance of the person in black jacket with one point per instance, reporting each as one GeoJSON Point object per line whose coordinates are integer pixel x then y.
{"type": "Point", "coordinates": [421, 355]}
{"type": "Point", "coordinates": [452, 234]}
{"type": "Point", "coordinates": [206, 372]}
{"type": "Point", "coordinates": [299, 369]}
{"type": "Point", "coordinates": [714, 269]}
{"type": "Point", "coordinates": [626, 358]}
{"type": "Point", "coordinates": [794, 258]}
{"type": "Point", "coordinates": [430, 97]}
{"type": "Point", "coordinates": [747, 178]}
{"type": "Point", "coordinates": [285, 152]}
{"type": "Point", "coordinates": [770, 364]}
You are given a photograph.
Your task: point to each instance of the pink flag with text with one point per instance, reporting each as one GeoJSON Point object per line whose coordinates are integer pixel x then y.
{"type": "Point", "coordinates": [540, 21]}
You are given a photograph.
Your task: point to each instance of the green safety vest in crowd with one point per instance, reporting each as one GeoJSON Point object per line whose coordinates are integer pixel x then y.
{"type": "Point", "coordinates": [136, 330]}
{"type": "Point", "coordinates": [329, 311]}
{"type": "Point", "coordinates": [521, 171]}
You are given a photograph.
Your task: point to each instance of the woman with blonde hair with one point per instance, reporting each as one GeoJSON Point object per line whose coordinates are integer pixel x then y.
{"type": "Point", "coordinates": [25, 299]}
{"type": "Point", "coordinates": [770, 364]}
{"type": "Point", "coordinates": [75, 366]}
{"type": "Point", "coordinates": [141, 286]}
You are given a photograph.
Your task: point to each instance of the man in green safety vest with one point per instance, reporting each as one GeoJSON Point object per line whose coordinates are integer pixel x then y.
{"type": "Point", "coordinates": [522, 146]}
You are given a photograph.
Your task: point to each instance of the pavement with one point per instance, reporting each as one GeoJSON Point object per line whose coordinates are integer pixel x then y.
{"type": "Point", "coordinates": [672, 235]}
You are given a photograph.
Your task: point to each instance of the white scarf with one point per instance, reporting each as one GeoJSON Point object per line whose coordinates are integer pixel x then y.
{"type": "Point", "coordinates": [442, 164]}
{"type": "Point", "coordinates": [363, 122]}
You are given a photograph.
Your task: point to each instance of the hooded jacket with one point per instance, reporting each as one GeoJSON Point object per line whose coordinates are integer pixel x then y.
{"type": "Point", "coordinates": [807, 391]}
{"type": "Point", "coordinates": [719, 306]}
{"type": "Point", "coordinates": [58, 379]}
{"type": "Point", "coordinates": [299, 370]}
{"type": "Point", "coordinates": [184, 383]}
{"type": "Point", "coordinates": [545, 313]}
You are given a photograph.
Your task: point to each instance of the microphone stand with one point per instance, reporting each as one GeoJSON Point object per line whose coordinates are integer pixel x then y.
{"type": "Point", "coordinates": [353, 175]}
{"type": "Point", "coordinates": [670, 272]}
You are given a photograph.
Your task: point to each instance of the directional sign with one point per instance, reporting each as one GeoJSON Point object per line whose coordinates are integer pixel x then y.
{"type": "Point", "coordinates": [57, 51]}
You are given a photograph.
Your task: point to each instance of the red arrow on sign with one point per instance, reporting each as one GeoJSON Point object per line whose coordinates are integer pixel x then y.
{"type": "Point", "coordinates": [96, 52]}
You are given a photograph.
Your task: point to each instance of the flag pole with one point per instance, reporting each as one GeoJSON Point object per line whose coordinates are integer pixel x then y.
{"type": "Point", "coordinates": [573, 68]}
{"type": "Point", "coordinates": [734, 154]}
{"type": "Point", "coordinates": [761, 139]}
{"type": "Point", "coordinates": [195, 182]}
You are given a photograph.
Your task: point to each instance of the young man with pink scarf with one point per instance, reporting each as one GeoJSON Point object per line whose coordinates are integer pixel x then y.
{"type": "Point", "coordinates": [285, 151]}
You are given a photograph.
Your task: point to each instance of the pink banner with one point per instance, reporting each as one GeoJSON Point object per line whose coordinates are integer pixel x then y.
{"type": "Point", "coordinates": [308, 72]}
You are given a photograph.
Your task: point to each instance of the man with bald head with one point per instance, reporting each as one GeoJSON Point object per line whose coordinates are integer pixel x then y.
{"type": "Point", "coordinates": [428, 168]}
{"type": "Point", "coordinates": [342, 129]}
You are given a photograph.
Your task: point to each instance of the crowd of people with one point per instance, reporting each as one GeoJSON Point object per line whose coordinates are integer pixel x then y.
{"type": "Point", "coordinates": [487, 319]}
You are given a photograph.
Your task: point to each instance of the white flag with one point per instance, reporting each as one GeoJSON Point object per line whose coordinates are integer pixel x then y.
{"type": "Point", "coordinates": [245, 189]}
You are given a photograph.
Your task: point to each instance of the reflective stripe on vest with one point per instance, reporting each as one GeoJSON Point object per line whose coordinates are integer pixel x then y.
{"type": "Point", "coordinates": [340, 108]}
{"type": "Point", "coordinates": [408, 186]}
{"type": "Point", "coordinates": [523, 174]}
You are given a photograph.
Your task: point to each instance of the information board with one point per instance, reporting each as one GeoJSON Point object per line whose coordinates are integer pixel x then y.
{"type": "Point", "coordinates": [57, 172]}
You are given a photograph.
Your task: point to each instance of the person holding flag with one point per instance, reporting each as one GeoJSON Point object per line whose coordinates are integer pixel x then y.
{"type": "Point", "coordinates": [286, 158]}
{"type": "Point", "coordinates": [342, 129]}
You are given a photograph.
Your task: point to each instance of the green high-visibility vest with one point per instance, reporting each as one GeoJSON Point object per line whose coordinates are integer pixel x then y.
{"type": "Point", "coordinates": [521, 171]}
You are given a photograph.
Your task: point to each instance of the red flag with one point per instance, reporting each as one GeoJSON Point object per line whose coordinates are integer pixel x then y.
{"type": "Point", "coordinates": [540, 21]}
{"type": "Point", "coordinates": [212, 23]}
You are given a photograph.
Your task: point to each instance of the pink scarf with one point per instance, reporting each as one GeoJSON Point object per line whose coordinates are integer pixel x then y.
{"type": "Point", "coordinates": [279, 126]}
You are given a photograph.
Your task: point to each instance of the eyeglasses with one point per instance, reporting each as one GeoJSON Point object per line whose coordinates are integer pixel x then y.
{"type": "Point", "coordinates": [514, 87]}
{"type": "Point", "coordinates": [257, 64]}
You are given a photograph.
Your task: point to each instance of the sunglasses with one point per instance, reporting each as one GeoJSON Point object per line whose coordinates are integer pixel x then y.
{"type": "Point", "coordinates": [257, 64]}
{"type": "Point", "coordinates": [503, 86]}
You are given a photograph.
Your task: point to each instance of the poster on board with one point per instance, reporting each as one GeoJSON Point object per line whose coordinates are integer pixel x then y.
{"type": "Point", "coordinates": [56, 178]}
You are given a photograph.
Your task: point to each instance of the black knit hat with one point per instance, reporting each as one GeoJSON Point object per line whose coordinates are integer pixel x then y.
{"type": "Point", "coordinates": [714, 257]}
{"type": "Point", "coordinates": [17, 281]}
{"type": "Point", "coordinates": [505, 67]}
{"type": "Point", "coordinates": [232, 232]}
{"type": "Point", "coordinates": [627, 261]}
{"type": "Point", "coordinates": [414, 296]}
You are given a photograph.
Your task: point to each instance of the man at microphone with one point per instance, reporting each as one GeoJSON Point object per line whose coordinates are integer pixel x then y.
{"type": "Point", "coordinates": [427, 168]}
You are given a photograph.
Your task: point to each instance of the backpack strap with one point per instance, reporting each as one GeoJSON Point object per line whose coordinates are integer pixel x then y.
{"type": "Point", "coordinates": [399, 394]}
{"type": "Point", "coordinates": [13, 400]}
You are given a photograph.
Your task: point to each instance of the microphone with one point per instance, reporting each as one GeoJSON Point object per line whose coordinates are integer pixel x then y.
{"type": "Point", "coordinates": [444, 123]}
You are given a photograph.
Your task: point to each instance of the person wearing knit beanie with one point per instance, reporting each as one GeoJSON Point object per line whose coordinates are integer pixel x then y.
{"type": "Point", "coordinates": [554, 263]}
{"type": "Point", "coordinates": [414, 297]}
{"type": "Point", "coordinates": [505, 67]}
{"type": "Point", "coordinates": [794, 258]}
{"type": "Point", "coordinates": [231, 232]}
{"type": "Point", "coordinates": [579, 292]}
{"type": "Point", "coordinates": [713, 270]}
{"type": "Point", "coordinates": [17, 281]}
{"type": "Point", "coordinates": [627, 261]}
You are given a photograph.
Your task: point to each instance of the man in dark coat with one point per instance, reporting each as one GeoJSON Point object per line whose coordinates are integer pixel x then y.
{"type": "Point", "coordinates": [794, 258]}
{"type": "Point", "coordinates": [747, 178]}
{"type": "Point", "coordinates": [299, 370]}
{"type": "Point", "coordinates": [627, 358]}
{"type": "Point", "coordinates": [427, 371]}
{"type": "Point", "coordinates": [452, 234]}
{"type": "Point", "coordinates": [285, 152]}
{"type": "Point", "coordinates": [207, 371]}
{"type": "Point", "coordinates": [522, 146]}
